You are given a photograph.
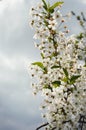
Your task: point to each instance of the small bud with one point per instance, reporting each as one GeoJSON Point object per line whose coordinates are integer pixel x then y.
{"type": "Point", "coordinates": [63, 20]}
{"type": "Point", "coordinates": [65, 27]}
{"type": "Point", "coordinates": [32, 9]}
{"type": "Point", "coordinates": [67, 31]}
{"type": "Point", "coordinates": [32, 75]}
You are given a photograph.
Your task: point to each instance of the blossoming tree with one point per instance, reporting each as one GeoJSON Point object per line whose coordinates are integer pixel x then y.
{"type": "Point", "coordinates": [60, 76]}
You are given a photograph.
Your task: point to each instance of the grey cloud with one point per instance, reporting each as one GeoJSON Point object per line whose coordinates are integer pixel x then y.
{"type": "Point", "coordinates": [16, 36]}
{"type": "Point", "coordinates": [18, 105]}
{"type": "Point", "coordinates": [18, 108]}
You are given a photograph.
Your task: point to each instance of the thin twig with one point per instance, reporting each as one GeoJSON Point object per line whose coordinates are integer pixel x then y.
{"type": "Point", "coordinates": [54, 128]}
{"type": "Point", "coordinates": [82, 121]}
{"type": "Point", "coordinates": [42, 126]}
{"type": "Point", "coordinates": [66, 121]}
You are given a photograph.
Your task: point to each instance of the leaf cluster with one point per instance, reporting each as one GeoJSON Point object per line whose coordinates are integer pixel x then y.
{"type": "Point", "coordinates": [50, 9]}
{"type": "Point", "coordinates": [70, 80]}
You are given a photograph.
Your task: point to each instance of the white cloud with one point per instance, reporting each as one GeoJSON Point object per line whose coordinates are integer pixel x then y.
{"type": "Point", "coordinates": [11, 4]}
{"type": "Point", "coordinates": [12, 68]}
{"type": "Point", "coordinates": [13, 62]}
{"type": "Point", "coordinates": [11, 15]}
{"type": "Point", "coordinates": [18, 109]}
{"type": "Point", "coordinates": [83, 1]}
{"type": "Point", "coordinates": [17, 105]}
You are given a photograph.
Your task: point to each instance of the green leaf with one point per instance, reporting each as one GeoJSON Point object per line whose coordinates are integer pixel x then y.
{"type": "Point", "coordinates": [56, 5]}
{"type": "Point", "coordinates": [39, 64]}
{"type": "Point", "coordinates": [46, 23]}
{"type": "Point", "coordinates": [50, 10]}
{"type": "Point", "coordinates": [46, 86]}
{"type": "Point", "coordinates": [65, 72]}
{"type": "Point", "coordinates": [48, 5]}
{"type": "Point", "coordinates": [65, 79]}
{"type": "Point", "coordinates": [80, 36]}
{"type": "Point", "coordinates": [42, 55]}
{"type": "Point", "coordinates": [74, 78]}
{"type": "Point", "coordinates": [55, 66]}
{"type": "Point", "coordinates": [72, 89]}
{"type": "Point", "coordinates": [56, 83]}
{"type": "Point", "coordinates": [84, 65]}
{"type": "Point", "coordinates": [45, 5]}
{"type": "Point", "coordinates": [80, 57]}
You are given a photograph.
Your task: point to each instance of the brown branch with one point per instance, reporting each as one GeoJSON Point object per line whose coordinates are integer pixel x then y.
{"type": "Point", "coordinates": [48, 124]}
{"type": "Point", "coordinates": [82, 121]}
{"type": "Point", "coordinates": [42, 126]}
{"type": "Point", "coordinates": [66, 121]}
{"type": "Point", "coordinates": [54, 128]}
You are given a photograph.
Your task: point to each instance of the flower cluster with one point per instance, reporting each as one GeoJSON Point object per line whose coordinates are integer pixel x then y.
{"type": "Point", "coordinates": [61, 73]}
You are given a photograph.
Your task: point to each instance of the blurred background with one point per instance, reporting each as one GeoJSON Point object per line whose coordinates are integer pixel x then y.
{"type": "Point", "coordinates": [19, 109]}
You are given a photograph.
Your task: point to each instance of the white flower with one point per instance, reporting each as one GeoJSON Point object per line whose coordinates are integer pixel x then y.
{"type": "Point", "coordinates": [52, 24]}
{"type": "Point", "coordinates": [57, 15]}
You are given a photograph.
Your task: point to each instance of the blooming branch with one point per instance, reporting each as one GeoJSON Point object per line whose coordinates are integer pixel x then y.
{"type": "Point", "coordinates": [61, 73]}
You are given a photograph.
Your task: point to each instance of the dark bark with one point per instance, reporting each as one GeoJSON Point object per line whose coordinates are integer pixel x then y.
{"type": "Point", "coordinates": [42, 126]}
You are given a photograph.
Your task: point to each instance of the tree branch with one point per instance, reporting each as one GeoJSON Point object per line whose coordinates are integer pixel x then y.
{"type": "Point", "coordinates": [42, 126]}
{"type": "Point", "coordinates": [66, 121]}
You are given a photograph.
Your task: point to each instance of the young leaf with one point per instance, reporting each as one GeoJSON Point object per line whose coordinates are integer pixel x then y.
{"type": "Point", "coordinates": [72, 89]}
{"type": "Point", "coordinates": [46, 23]}
{"type": "Point", "coordinates": [84, 65]}
{"type": "Point", "coordinates": [45, 5]}
{"type": "Point", "coordinates": [56, 5]}
{"type": "Point", "coordinates": [55, 66]}
{"type": "Point", "coordinates": [80, 36]}
{"type": "Point", "coordinates": [74, 78]}
{"type": "Point", "coordinates": [46, 86]}
{"type": "Point", "coordinates": [56, 83]}
{"type": "Point", "coordinates": [65, 79]}
{"type": "Point", "coordinates": [48, 5]}
{"type": "Point", "coordinates": [65, 72]}
{"type": "Point", "coordinates": [42, 55]}
{"type": "Point", "coordinates": [50, 10]}
{"type": "Point", "coordinates": [39, 64]}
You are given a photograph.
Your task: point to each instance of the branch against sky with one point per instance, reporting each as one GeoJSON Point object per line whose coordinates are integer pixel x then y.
{"type": "Point", "coordinates": [59, 75]}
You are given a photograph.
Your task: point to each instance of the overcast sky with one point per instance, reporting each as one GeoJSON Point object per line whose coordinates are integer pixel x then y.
{"type": "Point", "coordinates": [19, 109]}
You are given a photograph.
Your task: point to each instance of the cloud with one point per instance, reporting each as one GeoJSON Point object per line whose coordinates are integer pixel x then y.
{"type": "Point", "coordinates": [12, 65]}
{"type": "Point", "coordinates": [18, 109]}
{"type": "Point", "coordinates": [15, 34]}
{"type": "Point", "coordinates": [84, 1]}
{"type": "Point", "coordinates": [5, 4]}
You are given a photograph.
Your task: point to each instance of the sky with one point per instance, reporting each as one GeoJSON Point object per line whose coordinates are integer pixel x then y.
{"type": "Point", "coordinates": [19, 108]}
